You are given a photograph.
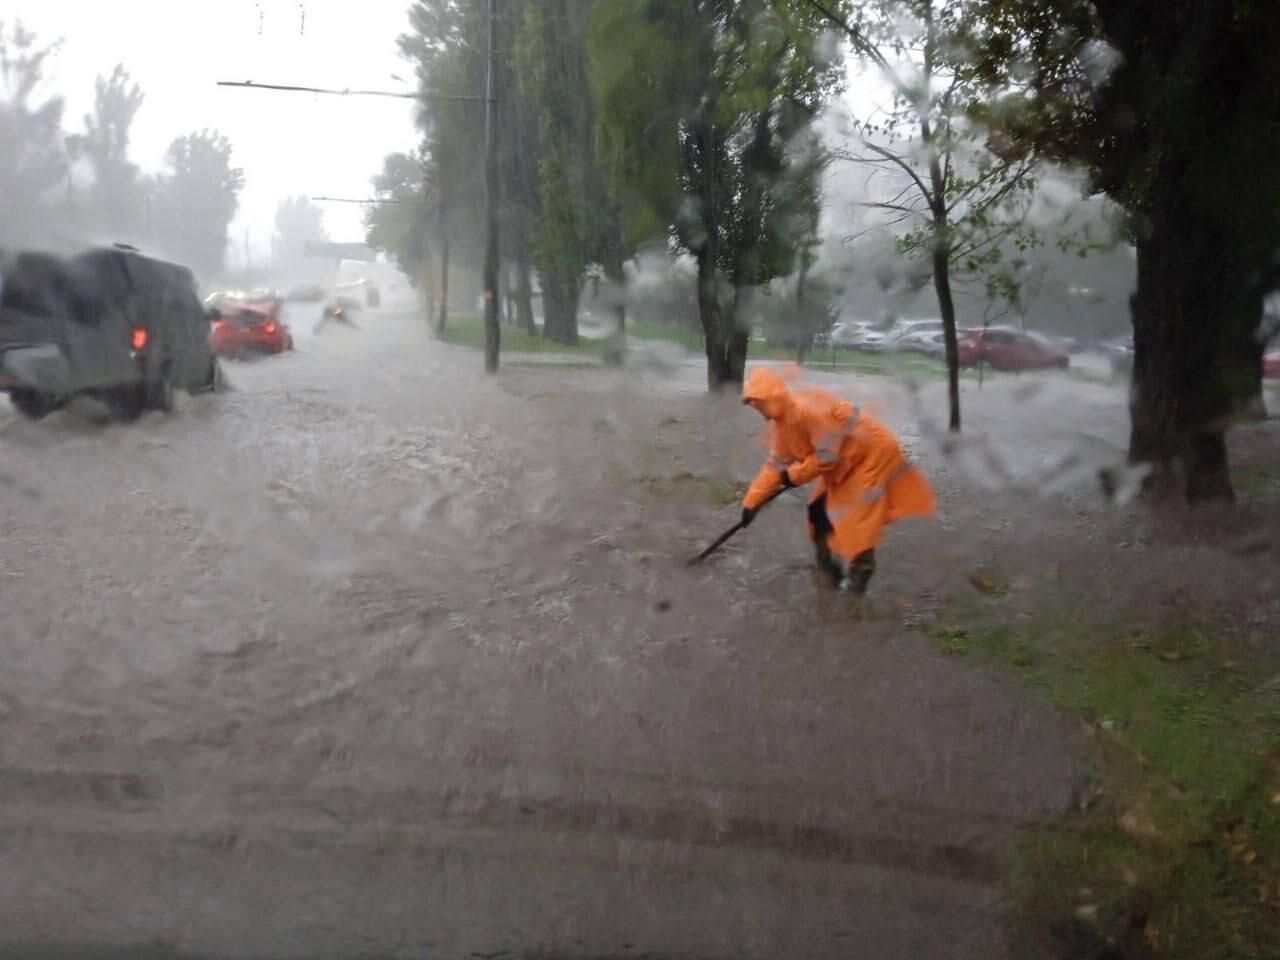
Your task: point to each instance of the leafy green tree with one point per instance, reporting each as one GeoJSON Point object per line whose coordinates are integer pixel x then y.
{"type": "Point", "coordinates": [33, 154]}
{"type": "Point", "coordinates": [198, 194]}
{"type": "Point", "coordinates": [1171, 106]}
{"type": "Point", "coordinates": [405, 225]}
{"type": "Point", "coordinates": [953, 203]}
{"type": "Point", "coordinates": [699, 103]}
{"type": "Point", "coordinates": [298, 222]}
{"type": "Point", "coordinates": [116, 196]}
{"type": "Point", "coordinates": [578, 223]}
{"type": "Point", "coordinates": [552, 59]}
{"type": "Point", "coordinates": [446, 43]}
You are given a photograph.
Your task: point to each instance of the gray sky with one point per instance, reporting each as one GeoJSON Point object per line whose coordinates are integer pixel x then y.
{"type": "Point", "coordinates": [287, 143]}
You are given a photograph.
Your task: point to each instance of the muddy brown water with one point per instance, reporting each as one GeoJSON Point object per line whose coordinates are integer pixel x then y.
{"type": "Point", "coordinates": [371, 656]}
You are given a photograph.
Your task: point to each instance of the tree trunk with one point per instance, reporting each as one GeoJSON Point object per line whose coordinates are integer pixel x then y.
{"type": "Point", "coordinates": [524, 295]}
{"type": "Point", "coordinates": [1196, 361]}
{"type": "Point", "coordinates": [726, 345]}
{"type": "Point", "coordinates": [947, 307]}
{"type": "Point", "coordinates": [444, 285]}
{"type": "Point", "coordinates": [427, 287]}
{"type": "Point", "coordinates": [560, 308]}
{"type": "Point", "coordinates": [805, 333]}
{"type": "Point", "coordinates": [551, 306]}
{"type": "Point", "coordinates": [615, 353]}
{"type": "Point", "coordinates": [492, 198]}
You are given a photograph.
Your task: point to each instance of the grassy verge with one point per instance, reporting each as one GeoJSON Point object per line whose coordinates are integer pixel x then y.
{"type": "Point", "coordinates": [1174, 850]}
{"type": "Point", "coordinates": [467, 330]}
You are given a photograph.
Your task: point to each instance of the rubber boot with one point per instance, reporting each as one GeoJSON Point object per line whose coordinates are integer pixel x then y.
{"type": "Point", "coordinates": [861, 570]}
{"type": "Point", "coordinates": [820, 529]}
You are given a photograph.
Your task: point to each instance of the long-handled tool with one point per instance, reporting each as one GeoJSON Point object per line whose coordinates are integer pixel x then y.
{"type": "Point", "coordinates": [720, 540]}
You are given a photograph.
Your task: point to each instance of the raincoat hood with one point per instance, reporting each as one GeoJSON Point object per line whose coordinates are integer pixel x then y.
{"type": "Point", "coordinates": [766, 391]}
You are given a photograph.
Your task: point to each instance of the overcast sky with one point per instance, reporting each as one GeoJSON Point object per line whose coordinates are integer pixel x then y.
{"type": "Point", "coordinates": [287, 143]}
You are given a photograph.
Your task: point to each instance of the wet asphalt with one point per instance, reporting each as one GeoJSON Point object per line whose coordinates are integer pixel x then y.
{"type": "Point", "coordinates": [373, 656]}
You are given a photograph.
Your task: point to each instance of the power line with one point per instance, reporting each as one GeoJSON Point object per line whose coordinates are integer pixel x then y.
{"type": "Point", "coordinates": [397, 94]}
{"type": "Point", "coordinates": [357, 200]}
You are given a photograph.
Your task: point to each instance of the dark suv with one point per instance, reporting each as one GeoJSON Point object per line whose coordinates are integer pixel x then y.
{"type": "Point", "coordinates": [108, 322]}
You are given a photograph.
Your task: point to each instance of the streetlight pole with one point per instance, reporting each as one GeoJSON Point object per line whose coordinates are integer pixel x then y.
{"type": "Point", "coordinates": [492, 331]}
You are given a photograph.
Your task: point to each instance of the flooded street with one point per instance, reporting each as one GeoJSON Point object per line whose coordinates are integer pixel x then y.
{"type": "Point", "coordinates": [472, 615]}
{"type": "Point", "coordinates": [370, 656]}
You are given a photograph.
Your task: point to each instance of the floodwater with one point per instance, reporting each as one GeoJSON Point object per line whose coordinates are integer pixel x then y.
{"type": "Point", "coordinates": [373, 656]}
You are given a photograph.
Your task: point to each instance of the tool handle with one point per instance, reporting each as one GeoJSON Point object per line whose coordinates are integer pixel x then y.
{"type": "Point", "coordinates": [720, 540]}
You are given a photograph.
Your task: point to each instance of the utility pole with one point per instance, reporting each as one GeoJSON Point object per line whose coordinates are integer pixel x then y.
{"type": "Point", "coordinates": [492, 330]}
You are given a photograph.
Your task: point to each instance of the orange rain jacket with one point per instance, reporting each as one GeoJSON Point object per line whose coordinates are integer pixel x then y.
{"type": "Point", "coordinates": [814, 435]}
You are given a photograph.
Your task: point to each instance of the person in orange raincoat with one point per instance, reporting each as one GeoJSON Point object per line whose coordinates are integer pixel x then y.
{"type": "Point", "coordinates": [863, 480]}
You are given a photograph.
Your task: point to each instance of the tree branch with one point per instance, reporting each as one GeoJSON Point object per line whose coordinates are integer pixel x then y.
{"type": "Point", "coordinates": [860, 43]}
{"type": "Point", "coordinates": [902, 164]}
{"type": "Point", "coordinates": [871, 205]}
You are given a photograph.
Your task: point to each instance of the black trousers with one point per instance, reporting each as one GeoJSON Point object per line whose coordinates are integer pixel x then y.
{"type": "Point", "coordinates": [862, 567]}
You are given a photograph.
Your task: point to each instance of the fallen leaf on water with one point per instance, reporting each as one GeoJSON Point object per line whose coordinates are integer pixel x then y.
{"type": "Point", "coordinates": [1087, 912]}
{"type": "Point", "coordinates": [1138, 823]}
{"type": "Point", "coordinates": [983, 583]}
{"type": "Point", "coordinates": [1275, 799]}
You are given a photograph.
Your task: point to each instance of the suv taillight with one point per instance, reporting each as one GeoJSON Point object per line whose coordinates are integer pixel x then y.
{"type": "Point", "coordinates": [138, 338]}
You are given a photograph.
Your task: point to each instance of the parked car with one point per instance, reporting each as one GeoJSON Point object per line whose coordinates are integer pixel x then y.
{"type": "Point", "coordinates": [1120, 353]}
{"type": "Point", "coordinates": [242, 328]}
{"type": "Point", "coordinates": [907, 328]}
{"type": "Point", "coordinates": [1004, 348]}
{"type": "Point", "coordinates": [857, 336]}
{"type": "Point", "coordinates": [1271, 365]}
{"type": "Point", "coordinates": [1070, 344]}
{"type": "Point", "coordinates": [931, 343]}
{"type": "Point", "coordinates": [109, 323]}
{"type": "Point", "coordinates": [871, 341]}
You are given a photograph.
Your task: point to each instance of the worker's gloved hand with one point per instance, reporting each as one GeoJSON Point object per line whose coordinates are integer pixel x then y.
{"type": "Point", "coordinates": [748, 514]}
{"type": "Point", "coordinates": [785, 478]}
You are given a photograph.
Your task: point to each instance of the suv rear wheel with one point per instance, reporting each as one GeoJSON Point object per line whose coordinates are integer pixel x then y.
{"type": "Point", "coordinates": [33, 404]}
{"type": "Point", "coordinates": [159, 392]}
{"type": "Point", "coordinates": [215, 383]}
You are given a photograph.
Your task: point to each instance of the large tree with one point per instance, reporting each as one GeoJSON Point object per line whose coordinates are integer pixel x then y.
{"type": "Point", "coordinates": [33, 156]}
{"type": "Point", "coordinates": [118, 202]}
{"type": "Point", "coordinates": [1171, 105]}
{"type": "Point", "coordinates": [405, 223]}
{"type": "Point", "coordinates": [553, 78]}
{"type": "Point", "coordinates": [446, 43]}
{"type": "Point", "coordinates": [298, 222]}
{"type": "Point", "coordinates": [951, 202]}
{"type": "Point", "coordinates": [700, 104]}
{"type": "Point", "coordinates": [198, 194]}
{"type": "Point", "coordinates": [577, 224]}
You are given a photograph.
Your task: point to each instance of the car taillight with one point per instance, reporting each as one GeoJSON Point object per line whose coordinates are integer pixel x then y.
{"type": "Point", "coordinates": [270, 326]}
{"type": "Point", "coordinates": [218, 324]}
{"type": "Point", "coordinates": [138, 338]}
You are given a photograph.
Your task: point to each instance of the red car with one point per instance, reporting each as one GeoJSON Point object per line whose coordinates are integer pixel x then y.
{"type": "Point", "coordinates": [242, 328]}
{"type": "Point", "coordinates": [1004, 348]}
{"type": "Point", "coordinates": [1271, 365]}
